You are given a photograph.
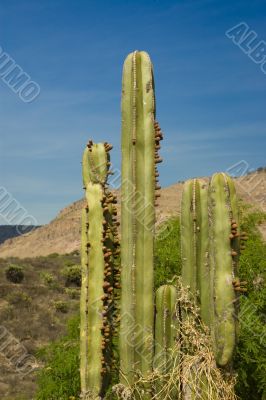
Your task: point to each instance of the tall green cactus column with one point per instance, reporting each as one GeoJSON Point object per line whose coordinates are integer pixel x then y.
{"type": "Point", "coordinates": [140, 145]}
{"type": "Point", "coordinates": [190, 232]}
{"type": "Point", "coordinates": [166, 337]}
{"type": "Point", "coordinates": [203, 269]}
{"type": "Point", "coordinates": [195, 268]}
{"type": "Point", "coordinates": [99, 277]}
{"type": "Point", "coordinates": [224, 253]}
{"type": "Point", "coordinates": [195, 244]}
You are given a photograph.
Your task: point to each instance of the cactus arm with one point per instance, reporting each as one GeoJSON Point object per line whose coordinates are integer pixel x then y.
{"type": "Point", "coordinates": [222, 272]}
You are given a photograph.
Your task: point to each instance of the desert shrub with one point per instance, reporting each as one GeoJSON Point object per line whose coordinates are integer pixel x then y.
{"type": "Point", "coordinates": [19, 298]}
{"type": "Point", "coordinates": [72, 275]}
{"type": "Point", "coordinates": [69, 262]}
{"type": "Point", "coordinates": [75, 253]}
{"type": "Point", "coordinates": [59, 379]}
{"type": "Point", "coordinates": [53, 255]}
{"type": "Point", "coordinates": [72, 293]}
{"type": "Point", "coordinates": [14, 273]}
{"type": "Point", "coordinates": [47, 278]}
{"type": "Point", "coordinates": [60, 306]}
{"type": "Point", "coordinates": [8, 313]}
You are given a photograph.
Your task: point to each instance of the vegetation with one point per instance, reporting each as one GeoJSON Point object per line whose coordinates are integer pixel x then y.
{"type": "Point", "coordinates": [60, 306]}
{"type": "Point", "coordinates": [60, 379]}
{"type": "Point", "coordinates": [14, 274]}
{"type": "Point", "coordinates": [19, 298]}
{"type": "Point", "coordinates": [72, 293]}
{"type": "Point", "coordinates": [28, 313]}
{"type": "Point", "coordinates": [48, 279]}
{"type": "Point", "coordinates": [72, 275]}
{"type": "Point", "coordinates": [250, 359]}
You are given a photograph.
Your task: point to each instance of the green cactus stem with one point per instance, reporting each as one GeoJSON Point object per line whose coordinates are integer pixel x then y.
{"type": "Point", "coordinates": [140, 145]}
{"type": "Point", "coordinates": [84, 300]}
{"type": "Point", "coordinates": [203, 269]}
{"type": "Point", "coordinates": [224, 253]}
{"type": "Point", "coordinates": [96, 163]}
{"type": "Point", "coordinates": [195, 244]}
{"type": "Point", "coordinates": [166, 335]}
{"type": "Point", "coordinates": [100, 274]}
{"type": "Point", "coordinates": [190, 233]}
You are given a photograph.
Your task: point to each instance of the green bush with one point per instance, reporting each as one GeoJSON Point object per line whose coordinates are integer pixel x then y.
{"type": "Point", "coordinates": [72, 275]}
{"type": "Point", "coordinates": [75, 253]}
{"type": "Point", "coordinates": [53, 255]}
{"type": "Point", "coordinates": [167, 258]}
{"type": "Point", "coordinates": [14, 273]}
{"type": "Point", "coordinates": [250, 360]}
{"type": "Point", "coordinates": [48, 279]}
{"type": "Point", "coordinates": [73, 293]}
{"type": "Point", "coordinates": [60, 377]}
{"type": "Point", "coordinates": [19, 298]}
{"type": "Point", "coordinates": [60, 306]}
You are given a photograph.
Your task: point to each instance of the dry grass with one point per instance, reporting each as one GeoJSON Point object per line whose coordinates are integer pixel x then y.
{"type": "Point", "coordinates": [194, 374]}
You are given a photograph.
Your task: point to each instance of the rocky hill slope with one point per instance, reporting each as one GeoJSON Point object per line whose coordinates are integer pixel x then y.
{"type": "Point", "coordinates": [62, 235]}
{"type": "Point", "coordinates": [11, 231]}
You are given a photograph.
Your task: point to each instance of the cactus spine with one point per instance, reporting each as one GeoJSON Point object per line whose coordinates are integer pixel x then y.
{"type": "Point", "coordinates": [224, 252]}
{"type": "Point", "coordinates": [166, 333]}
{"type": "Point", "coordinates": [140, 144]}
{"type": "Point", "coordinates": [99, 276]}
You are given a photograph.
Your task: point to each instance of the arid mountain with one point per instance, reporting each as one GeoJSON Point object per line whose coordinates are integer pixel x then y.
{"type": "Point", "coordinates": [62, 235]}
{"type": "Point", "coordinates": [11, 231]}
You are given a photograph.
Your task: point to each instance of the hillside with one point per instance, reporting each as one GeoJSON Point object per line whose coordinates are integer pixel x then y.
{"type": "Point", "coordinates": [32, 314]}
{"type": "Point", "coordinates": [62, 235]}
{"type": "Point", "coordinates": [11, 231]}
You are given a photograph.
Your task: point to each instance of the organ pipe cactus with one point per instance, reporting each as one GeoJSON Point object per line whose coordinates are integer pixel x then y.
{"type": "Point", "coordinates": [100, 275]}
{"type": "Point", "coordinates": [140, 143]}
{"type": "Point", "coordinates": [210, 250]}
{"type": "Point", "coordinates": [166, 334]}
{"type": "Point", "coordinates": [224, 253]}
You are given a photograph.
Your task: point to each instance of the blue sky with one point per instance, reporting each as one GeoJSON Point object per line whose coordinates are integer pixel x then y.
{"type": "Point", "coordinates": [210, 95]}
